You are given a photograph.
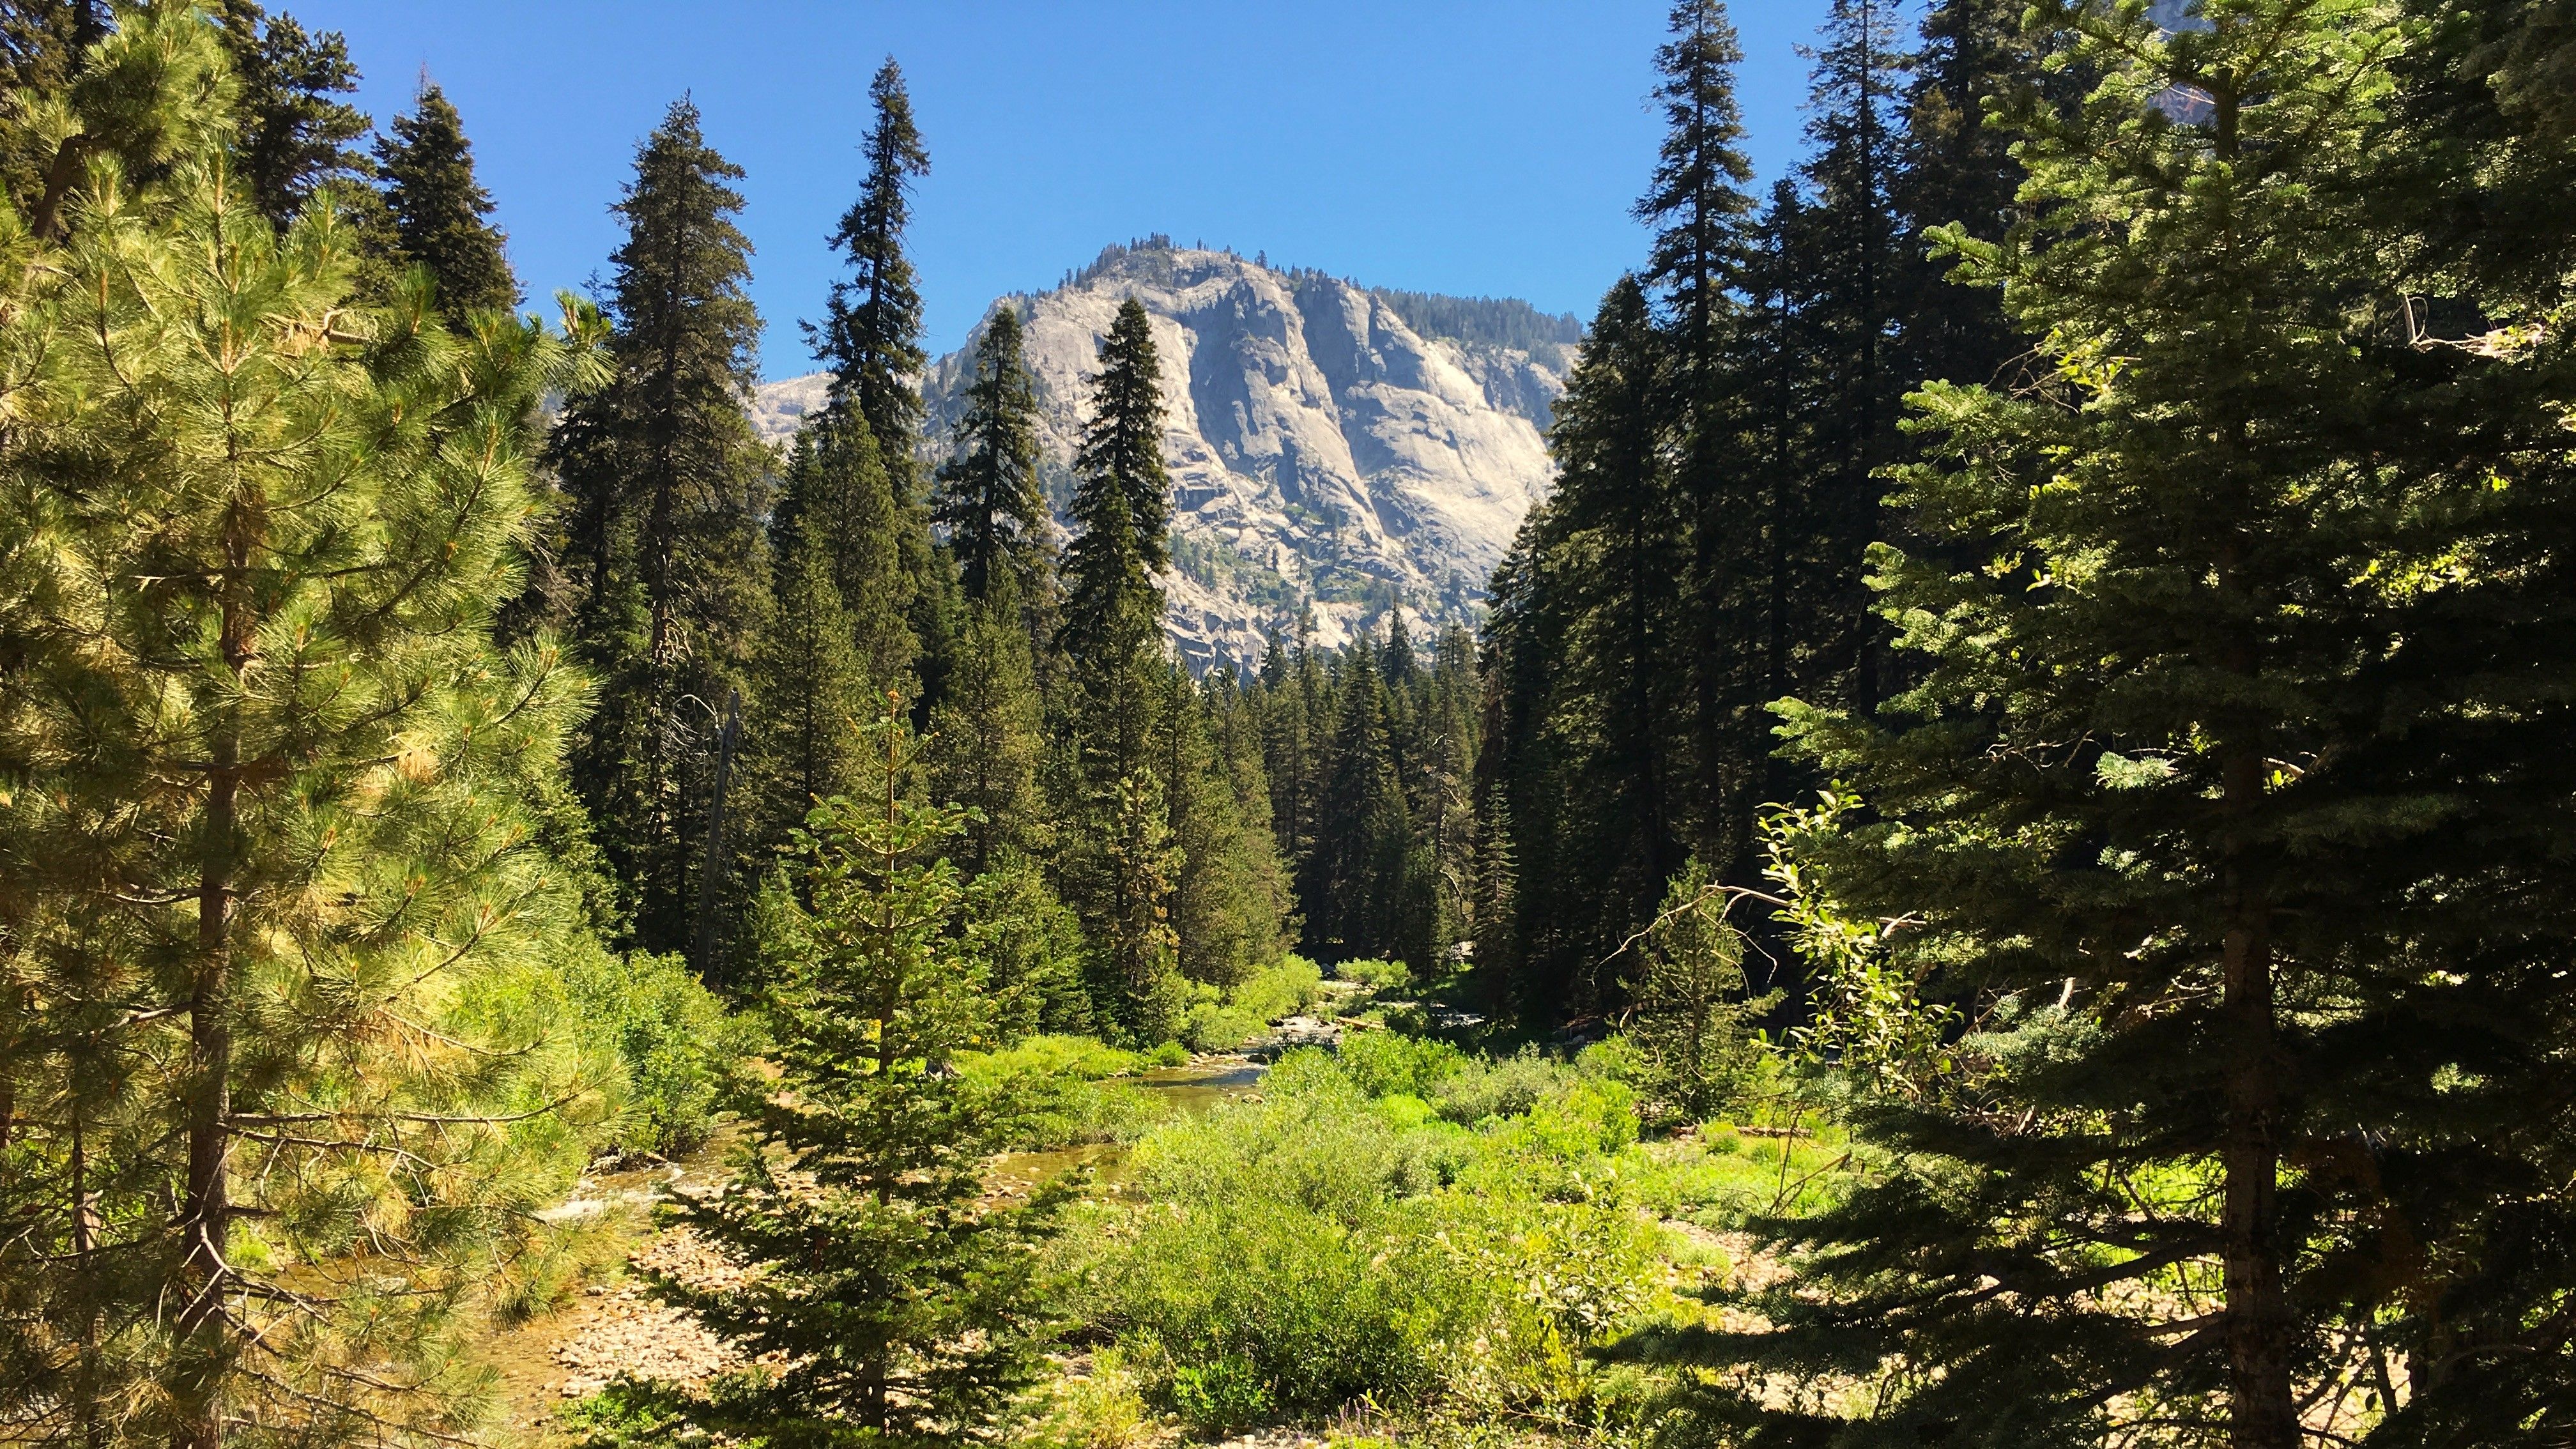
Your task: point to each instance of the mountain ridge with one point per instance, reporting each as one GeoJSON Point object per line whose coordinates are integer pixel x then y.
{"type": "Point", "coordinates": [1333, 447]}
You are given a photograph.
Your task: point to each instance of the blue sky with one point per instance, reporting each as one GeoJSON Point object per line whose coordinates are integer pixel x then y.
{"type": "Point", "coordinates": [1466, 146]}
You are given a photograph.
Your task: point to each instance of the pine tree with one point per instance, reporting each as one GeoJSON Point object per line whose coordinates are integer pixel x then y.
{"type": "Point", "coordinates": [666, 486]}
{"type": "Point", "coordinates": [1958, 168]}
{"type": "Point", "coordinates": [870, 339]}
{"type": "Point", "coordinates": [1120, 867]}
{"type": "Point", "coordinates": [838, 490]}
{"type": "Point", "coordinates": [1225, 909]}
{"type": "Point", "coordinates": [42, 46]}
{"type": "Point", "coordinates": [870, 336]}
{"type": "Point", "coordinates": [1848, 243]}
{"type": "Point", "coordinates": [987, 741]}
{"type": "Point", "coordinates": [810, 694]}
{"type": "Point", "coordinates": [438, 209]}
{"type": "Point", "coordinates": [1691, 1020]}
{"type": "Point", "coordinates": [899, 1309]}
{"type": "Point", "coordinates": [1701, 212]}
{"type": "Point", "coordinates": [1360, 884]}
{"type": "Point", "coordinates": [1602, 556]}
{"type": "Point", "coordinates": [990, 499]}
{"type": "Point", "coordinates": [296, 138]}
{"type": "Point", "coordinates": [268, 813]}
{"type": "Point", "coordinates": [2232, 797]}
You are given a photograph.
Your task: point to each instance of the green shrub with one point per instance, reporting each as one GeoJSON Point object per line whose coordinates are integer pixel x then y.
{"type": "Point", "coordinates": [1283, 990]}
{"type": "Point", "coordinates": [1382, 1063]}
{"type": "Point", "coordinates": [680, 1049]}
{"type": "Point", "coordinates": [1210, 1027]}
{"type": "Point", "coordinates": [1169, 1054]}
{"type": "Point", "coordinates": [1376, 975]}
{"type": "Point", "coordinates": [1052, 1091]}
{"type": "Point", "coordinates": [1506, 1088]}
{"type": "Point", "coordinates": [1336, 1240]}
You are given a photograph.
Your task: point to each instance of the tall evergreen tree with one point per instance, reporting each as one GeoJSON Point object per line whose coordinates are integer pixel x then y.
{"type": "Point", "coordinates": [268, 800]}
{"type": "Point", "coordinates": [870, 336]}
{"type": "Point", "coordinates": [439, 209]}
{"type": "Point", "coordinates": [2233, 797]}
{"type": "Point", "coordinates": [1120, 865]}
{"type": "Point", "coordinates": [1848, 244]}
{"type": "Point", "coordinates": [837, 490]}
{"type": "Point", "coordinates": [987, 742]}
{"type": "Point", "coordinates": [811, 694]}
{"type": "Point", "coordinates": [1974, 68]}
{"type": "Point", "coordinates": [870, 339]}
{"type": "Point", "coordinates": [899, 1310]}
{"type": "Point", "coordinates": [1225, 909]}
{"type": "Point", "coordinates": [666, 483]}
{"type": "Point", "coordinates": [1600, 559]}
{"type": "Point", "coordinates": [990, 499]}
{"type": "Point", "coordinates": [1360, 885]}
{"type": "Point", "coordinates": [296, 136]}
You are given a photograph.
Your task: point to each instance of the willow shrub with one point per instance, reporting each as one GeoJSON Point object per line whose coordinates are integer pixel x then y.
{"type": "Point", "coordinates": [1280, 1259]}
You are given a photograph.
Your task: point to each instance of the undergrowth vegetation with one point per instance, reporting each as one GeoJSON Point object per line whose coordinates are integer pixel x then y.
{"type": "Point", "coordinates": [1410, 1232]}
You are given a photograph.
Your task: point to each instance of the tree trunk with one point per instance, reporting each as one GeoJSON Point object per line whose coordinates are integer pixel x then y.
{"type": "Point", "coordinates": [2260, 1324]}
{"type": "Point", "coordinates": [206, 1212]}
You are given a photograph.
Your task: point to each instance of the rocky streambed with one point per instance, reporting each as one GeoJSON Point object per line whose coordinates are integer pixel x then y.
{"type": "Point", "coordinates": [615, 1327]}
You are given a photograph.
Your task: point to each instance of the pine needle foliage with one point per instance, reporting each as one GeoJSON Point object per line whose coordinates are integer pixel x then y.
{"type": "Point", "coordinates": [666, 486]}
{"type": "Point", "coordinates": [278, 1095]}
{"type": "Point", "coordinates": [990, 499]}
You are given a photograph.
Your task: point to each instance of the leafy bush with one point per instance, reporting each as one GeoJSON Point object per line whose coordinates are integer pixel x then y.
{"type": "Point", "coordinates": [1335, 1239]}
{"type": "Point", "coordinates": [1217, 1024]}
{"type": "Point", "coordinates": [1054, 1091]}
{"type": "Point", "coordinates": [1210, 1027]}
{"type": "Point", "coordinates": [1377, 975]}
{"type": "Point", "coordinates": [1506, 1088]}
{"type": "Point", "coordinates": [1282, 990]}
{"type": "Point", "coordinates": [1385, 1063]}
{"type": "Point", "coordinates": [1168, 1054]}
{"type": "Point", "coordinates": [679, 1047]}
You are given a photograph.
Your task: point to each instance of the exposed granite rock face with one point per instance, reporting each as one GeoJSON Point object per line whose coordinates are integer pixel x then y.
{"type": "Point", "coordinates": [1323, 451]}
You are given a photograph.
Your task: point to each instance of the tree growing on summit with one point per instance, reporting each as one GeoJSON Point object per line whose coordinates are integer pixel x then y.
{"type": "Point", "coordinates": [439, 209]}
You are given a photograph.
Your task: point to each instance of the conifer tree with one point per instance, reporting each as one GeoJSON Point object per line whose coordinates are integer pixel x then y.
{"type": "Point", "coordinates": [268, 800]}
{"type": "Point", "coordinates": [870, 340]}
{"type": "Point", "coordinates": [1225, 909]}
{"type": "Point", "coordinates": [296, 136]}
{"type": "Point", "coordinates": [666, 484]}
{"type": "Point", "coordinates": [870, 336]}
{"type": "Point", "coordinates": [1958, 168]}
{"type": "Point", "coordinates": [1359, 884]}
{"type": "Point", "coordinates": [837, 489]}
{"type": "Point", "coordinates": [1601, 559]}
{"type": "Point", "coordinates": [899, 1309]}
{"type": "Point", "coordinates": [438, 209]}
{"type": "Point", "coordinates": [1120, 864]}
{"type": "Point", "coordinates": [990, 499]}
{"type": "Point", "coordinates": [811, 694]}
{"type": "Point", "coordinates": [2233, 798]}
{"type": "Point", "coordinates": [987, 741]}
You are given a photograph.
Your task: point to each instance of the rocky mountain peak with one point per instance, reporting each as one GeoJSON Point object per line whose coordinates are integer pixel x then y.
{"type": "Point", "coordinates": [1333, 447]}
